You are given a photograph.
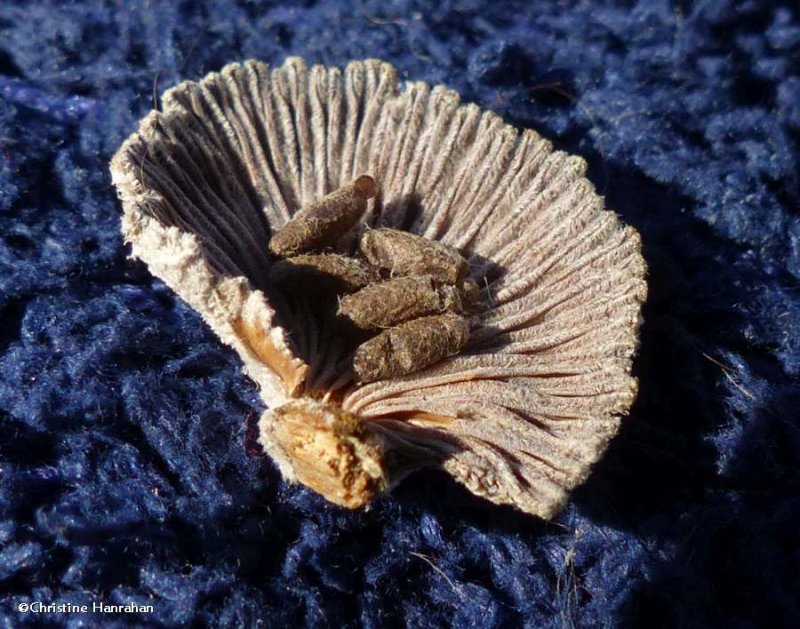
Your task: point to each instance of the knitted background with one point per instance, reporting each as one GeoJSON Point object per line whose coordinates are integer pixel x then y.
{"type": "Point", "coordinates": [126, 470]}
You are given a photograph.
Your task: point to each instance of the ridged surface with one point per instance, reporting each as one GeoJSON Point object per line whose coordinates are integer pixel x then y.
{"type": "Point", "coordinates": [543, 382]}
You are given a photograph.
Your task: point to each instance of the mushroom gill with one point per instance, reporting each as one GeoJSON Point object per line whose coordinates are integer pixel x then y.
{"type": "Point", "coordinates": [525, 408]}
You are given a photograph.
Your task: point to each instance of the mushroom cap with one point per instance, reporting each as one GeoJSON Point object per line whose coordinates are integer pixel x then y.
{"type": "Point", "coordinates": [524, 410]}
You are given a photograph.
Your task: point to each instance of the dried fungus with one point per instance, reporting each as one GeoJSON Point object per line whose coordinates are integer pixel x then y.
{"type": "Point", "coordinates": [410, 281]}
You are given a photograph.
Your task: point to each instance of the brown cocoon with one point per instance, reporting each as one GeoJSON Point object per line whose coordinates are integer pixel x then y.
{"type": "Point", "coordinates": [470, 293]}
{"type": "Point", "coordinates": [324, 221]}
{"type": "Point", "coordinates": [403, 253]}
{"type": "Point", "coordinates": [328, 272]}
{"type": "Point", "coordinates": [391, 302]}
{"type": "Point", "coordinates": [410, 346]}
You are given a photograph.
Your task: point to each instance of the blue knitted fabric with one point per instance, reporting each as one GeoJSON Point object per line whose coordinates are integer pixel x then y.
{"type": "Point", "coordinates": [126, 467]}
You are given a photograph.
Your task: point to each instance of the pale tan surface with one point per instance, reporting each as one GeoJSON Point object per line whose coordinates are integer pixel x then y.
{"type": "Point", "coordinates": [524, 410]}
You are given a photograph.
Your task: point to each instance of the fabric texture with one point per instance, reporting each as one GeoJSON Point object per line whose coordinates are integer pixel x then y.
{"type": "Point", "coordinates": [128, 467]}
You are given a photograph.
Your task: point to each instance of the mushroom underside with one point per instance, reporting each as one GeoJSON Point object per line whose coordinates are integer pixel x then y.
{"type": "Point", "coordinates": [522, 412]}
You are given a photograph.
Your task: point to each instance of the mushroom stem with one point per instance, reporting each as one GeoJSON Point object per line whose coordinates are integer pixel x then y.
{"type": "Point", "coordinates": [332, 451]}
